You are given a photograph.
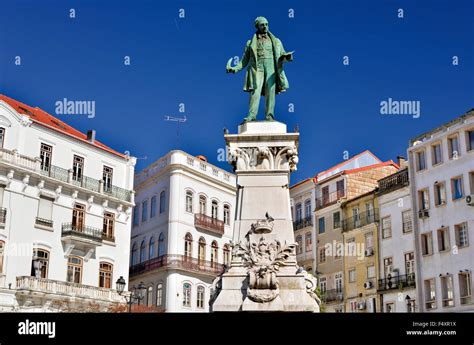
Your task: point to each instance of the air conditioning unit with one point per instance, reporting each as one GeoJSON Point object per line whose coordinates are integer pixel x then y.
{"type": "Point", "coordinates": [470, 200]}
{"type": "Point", "coordinates": [369, 252]}
{"type": "Point", "coordinates": [368, 284]}
{"type": "Point", "coordinates": [361, 305]}
{"type": "Point", "coordinates": [423, 214]}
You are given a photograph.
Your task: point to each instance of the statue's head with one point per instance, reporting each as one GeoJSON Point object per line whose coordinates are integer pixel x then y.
{"type": "Point", "coordinates": [261, 23]}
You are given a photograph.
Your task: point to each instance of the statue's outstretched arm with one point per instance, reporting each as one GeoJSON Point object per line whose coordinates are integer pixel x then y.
{"type": "Point", "coordinates": [244, 61]}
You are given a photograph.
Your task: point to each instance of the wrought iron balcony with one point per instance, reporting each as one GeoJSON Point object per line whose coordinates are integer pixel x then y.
{"type": "Point", "coordinates": [302, 223]}
{"type": "Point", "coordinates": [181, 262]}
{"type": "Point", "coordinates": [44, 222]}
{"type": "Point", "coordinates": [397, 282]}
{"type": "Point", "coordinates": [330, 199]}
{"type": "Point", "coordinates": [82, 231]}
{"type": "Point", "coordinates": [395, 181]}
{"type": "Point", "coordinates": [360, 220]}
{"type": "Point", "coordinates": [3, 215]}
{"type": "Point", "coordinates": [332, 295]}
{"type": "Point", "coordinates": [208, 223]}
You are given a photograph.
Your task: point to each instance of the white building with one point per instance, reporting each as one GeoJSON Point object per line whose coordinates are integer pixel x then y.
{"type": "Point", "coordinates": [65, 216]}
{"type": "Point", "coordinates": [182, 229]}
{"type": "Point", "coordinates": [397, 284]}
{"type": "Point", "coordinates": [441, 164]}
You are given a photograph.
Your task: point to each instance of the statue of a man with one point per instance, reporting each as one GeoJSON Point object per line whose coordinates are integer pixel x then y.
{"type": "Point", "coordinates": [264, 54]}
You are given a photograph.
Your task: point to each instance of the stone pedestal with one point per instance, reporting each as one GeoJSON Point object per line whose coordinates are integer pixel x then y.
{"type": "Point", "coordinates": [263, 275]}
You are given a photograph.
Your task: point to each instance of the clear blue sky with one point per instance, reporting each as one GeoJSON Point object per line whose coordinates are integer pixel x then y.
{"type": "Point", "coordinates": [182, 60]}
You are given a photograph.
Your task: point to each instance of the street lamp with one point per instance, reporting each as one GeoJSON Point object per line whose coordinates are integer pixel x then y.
{"type": "Point", "coordinates": [409, 301]}
{"type": "Point", "coordinates": [136, 293]}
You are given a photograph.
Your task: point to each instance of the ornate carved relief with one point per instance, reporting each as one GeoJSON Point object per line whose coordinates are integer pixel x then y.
{"type": "Point", "coordinates": [264, 158]}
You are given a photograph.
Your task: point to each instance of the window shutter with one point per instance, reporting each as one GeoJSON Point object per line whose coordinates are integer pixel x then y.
{"type": "Point", "coordinates": [45, 209]}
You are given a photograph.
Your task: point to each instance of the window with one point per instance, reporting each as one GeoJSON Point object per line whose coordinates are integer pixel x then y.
{"type": "Point", "coordinates": [352, 275]}
{"type": "Point", "coordinates": [134, 254]}
{"type": "Point", "coordinates": [105, 275]}
{"type": "Point", "coordinates": [430, 294]}
{"type": "Point", "coordinates": [410, 265]}
{"type": "Point", "coordinates": [426, 244]}
{"type": "Point", "coordinates": [78, 217]}
{"type": "Point", "coordinates": [299, 242]}
{"type": "Point", "coordinates": [453, 147]}
{"type": "Point", "coordinates": [214, 209]}
{"type": "Point", "coordinates": [386, 227]}
{"type": "Point", "coordinates": [407, 222]}
{"type": "Point", "coordinates": [77, 168]}
{"type": "Point", "coordinates": [2, 136]}
{"type": "Point", "coordinates": [390, 307]}
{"type": "Point", "coordinates": [338, 282]}
{"type": "Point", "coordinates": [369, 240]}
{"type": "Point", "coordinates": [307, 209]}
{"type": "Point", "coordinates": [356, 217]}
{"type": "Point", "coordinates": [351, 247]}
{"type": "Point", "coordinates": [149, 296]}
{"type": "Point", "coordinates": [108, 226]}
{"type": "Point", "coordinates": [189, 201]}
{"type": "Point", "coordinates": [226, 255]}
{"type": "Point", "coordinates": [457, 188]}
{"type": "Point", "coordinates": [226, 214]}
{"type": "Point", "coordinates": [461, 233]}
{"type": "Point", "coordinates": [188, 245]}
{"type": "Point", "coordinates": [387, 266]}
{"type": "Point", "coordinates": [323, 285]}
{"type": "Point", "coordinates": [136, 213]}
{"type": "Point", "coordinates": [214, 254]}
{"type": "Point", "coordinates": [465, 287]}
{"type": "Point", "coordinates": [440, 194]}
{"type": "Point", "coordinates": [370, 272]}
{"type": "Point", "coordinates": [153, 206]}
{"type": "Point", "coordinates": [336, 220]}
{"type": "Point", "coordinates": [202, 204]}
{"type": "Point", "coordinates": [443, 240]}
{"type": "Point", "coordinates": [436, 157]}
{"type": "Point", "coordinates": [447, 292]}
{"type": "Point", "coordinates": [202, 251]}
{"type": "Point", "coordinates": [74, 270]}
{"type": "Point", "coordinates": [200, 297]}
{"type": "Point", "coordinates": [144, 211]}
{"type": "Point", "coordinates": [45, 211]}
{"type": "Point", "coordinates": [339, 250]}
{"type": "Point", "coordinates": [321, 225]}
{"type": "Point", "coordinates": [299, 213]}
{"type": "Point", "coordinates": [161, 245]}
{"type": "Point", "coordinates": [142, 252]}
{"type": "Point", "coordinates": [107, 175]}
{"type": "Point", "coordinates": [151, 248]}
{"type": "Point", "coordinates": [471, 181]}
{"type": "Point", "coordinates": [423, 199]}
{"type": "Point", "coordinates": [420, 161]}
{"type": "Point", "coordinates": [46, 153]}
{"type": "Point", "coordinates": [2, 253]}
{"type": "Point", "coordinates": [186, 295]}
{"type": "Point", "coordinates": [470, 140]}
{"type": "Point", "coordinates": [325, 195]}
{"type": "Point", "coordinates": [322, 255]}
{"type": "Point", "coordinates": [340, 189]}
{"type": "Point", "coordinates": [308, 242]}
{"type": "Point", "coordinates": [159, 295]}
{"type": "Point", "coordinates": [162, 202]}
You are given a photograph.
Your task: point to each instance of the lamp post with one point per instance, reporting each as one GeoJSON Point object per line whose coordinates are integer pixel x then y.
{"type": "Point", "coordinates": [136, 293]}
{"type": "Point", "coordinates": [409, 304]}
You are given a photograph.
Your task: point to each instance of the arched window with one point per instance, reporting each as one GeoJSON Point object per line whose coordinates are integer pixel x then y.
{"type": "Point", "coordinates": [134, 254]}
{"type": "Point", "coordinates": [188, 245]}
{"type": "Point", "coordinates": [74, 270]}
{"type": "Point", "coordinates": [161, 245]}
{"type": "Point", "coordinates": [149, 296]}
{"type": "Point", "coordinates": [142, 252]}
{"type": "Point", "coordinates": [308, 242]}
{"type": "Point", "coordinates": [299, 212]}
{"type": "Point", "coordinates": [202, 204]}
{"type": "Point", "coordinates": [214, 253]}
{"type": "Point", "coordinates": [2, 250]}
{"type": "Point", "coordinates": [226, 254]}
{"type": "Point", "coordinates": [105, 275]}
{"type": "Point", "coordinates": [200, 297]}
{"type": "Point", "coordinates": [186, 295]}
{"type": "Point", "coordinates": [299, 241]}
{"type": "Point", "coordinates": [2, 137]}
{"type": "Point", "coordinates": [159, 295]}
{"type": "Point", "coordinates": [151, 248]}
{"type": "Point", "coordinates": [226, 214]}
{"type": "Point", "coordinates": [162, 202]}
{"type": "Point", "coordinates": [189, 201]}
{"type": "Point", "coordinates": [215, 209]}
{"type": "Point", "coordinates": [202, 250]}
{"type": "Point", "coordinates": [153, 207]}
{"type": "Point", "coordinates": [144, 211]}
{"type": "Point", "coordinates": [307, 209]}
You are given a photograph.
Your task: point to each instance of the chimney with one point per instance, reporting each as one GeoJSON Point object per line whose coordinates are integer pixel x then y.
{"type": "Point", "coordinates": [91, 135]}
{"type": "Point", "coordinates": [402, 162]}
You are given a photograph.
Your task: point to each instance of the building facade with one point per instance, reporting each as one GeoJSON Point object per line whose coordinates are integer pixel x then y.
{"type": "Point", "coordinates": [182, 229]}
{"type": "Point", "coordinates": [441, 168]}
{"type": "Point", "coordinates": [65, 214]}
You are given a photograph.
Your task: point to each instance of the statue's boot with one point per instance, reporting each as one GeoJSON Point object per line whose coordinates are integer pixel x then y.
{"type": "Point", "coordinates": [249, 118]}
{"type": "Point", "coordinates": [269, 117]}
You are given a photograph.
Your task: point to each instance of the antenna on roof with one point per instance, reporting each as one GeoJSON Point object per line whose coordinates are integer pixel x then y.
{"type": "Point", "coordinates": [178, 120]}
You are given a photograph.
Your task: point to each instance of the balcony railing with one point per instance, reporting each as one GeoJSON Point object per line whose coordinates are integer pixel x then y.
{"type": "Point", "coordinates": [61, 288]}
{"type": "Point", "coordinates": [330, 198]}
{"type": "Point", "coordinates": [3, 215]}
{"type": "Point", "coordinates": [397, 282]}
{"type": "Point", "coordinates": [44, 222]}
{"type": "Point", "coordinates": [302, 223]}
{"type": "Point", "coordinates": [63, 175]}
{"type": "Point", "coordinates": [87, 232]}
{"type": "Point", "coordinates": [360, 220]}
{"type": "Point", "coordinates": [178, 262]}
{"type": "Point", "coordinates": [208, 223]}
{"type": "Point", "coordinates": [332, 295]}
{"type": "Point", "coordinates": [394, 181]}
